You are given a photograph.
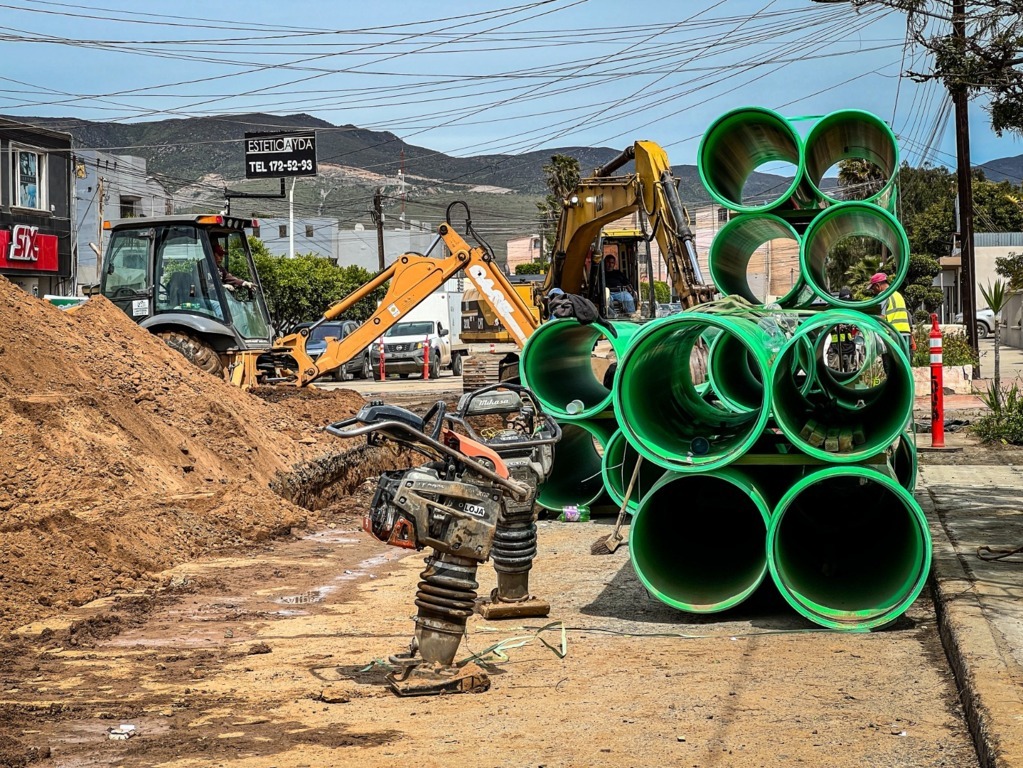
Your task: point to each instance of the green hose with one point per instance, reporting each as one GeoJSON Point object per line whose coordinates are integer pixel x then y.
{"type": "Point", "coordinates": [816, 410]}
{"type": "Point", "coordinates": [834, 225]}
{"type": "Point", "coordinates": [664, 411]}
{"type": "Point", "coordinates": [849, 548]}
{"type": "Point", "coordinates": [557, 365]}
{"type": "Point", "coordinates": [697, 541]}
{"type": "Point", "coordinates": [576, 474]}
{"type": "Point", "coordinates": [852, 134]}
{"type": "Point", "coordinates": [616, 468]}
{"type": "Point", "coordinates": [733, 249]}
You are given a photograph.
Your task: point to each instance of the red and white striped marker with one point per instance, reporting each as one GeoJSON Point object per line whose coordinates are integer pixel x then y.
{"type": "Point", "coordinates": [383, 368]}
{"type": "Point", "coordinates": [426, 358]}
{"type": "Point", "coordinates": [937, 387]}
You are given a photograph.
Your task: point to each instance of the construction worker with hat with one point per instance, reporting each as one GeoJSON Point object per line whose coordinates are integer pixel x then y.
{"type": "Point", "coordinates": [894, 310]}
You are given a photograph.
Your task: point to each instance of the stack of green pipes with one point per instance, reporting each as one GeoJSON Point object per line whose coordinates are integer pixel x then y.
{"type": "Point", "coordinates": [758, 458]}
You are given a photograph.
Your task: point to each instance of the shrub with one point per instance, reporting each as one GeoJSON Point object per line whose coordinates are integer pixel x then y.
{"type": "Point", "coordinates": [955, 349]}
{"type": "Point", "coordinates": [1005, 422]}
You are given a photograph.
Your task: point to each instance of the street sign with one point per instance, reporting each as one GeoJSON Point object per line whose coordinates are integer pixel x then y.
{"type": "Point", "coordinates": [276, 155]}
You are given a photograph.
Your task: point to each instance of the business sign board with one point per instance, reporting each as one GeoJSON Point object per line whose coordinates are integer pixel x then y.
{"type": "Point", "coordinates": [276, 155]}
{"type": "Point", "coordinates": [25, 247]}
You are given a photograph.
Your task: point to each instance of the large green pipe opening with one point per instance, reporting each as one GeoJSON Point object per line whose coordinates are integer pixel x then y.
{"type": "Point", "coordinates": [576, 477]}
{"type": "Point", "coordinates": [852, 134]}
{"type": "Point", "coordinates": [842, 224]}
{"type": "Point", "coordinates": [836, 419]}
{"type": "Point", "coordinates": [557, 365]}
{"type": "Point", "coordinates": [738, 143]}
{"type": "Point", "coordinates": [666, 413]}
{"type": "Point", "coordinates": [697, 541]}
{"type": "Point", "coordinates": [619, 462]}
{"type": "Point", "coordinates": [732, 253]}
{"type": "Point", "coordinates": [733, 374]}
{"type": "Point", "coordinates": [849, 548]}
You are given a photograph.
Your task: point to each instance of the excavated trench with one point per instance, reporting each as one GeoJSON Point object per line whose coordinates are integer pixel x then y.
{"type": "Point", "coordinates": [335, 476]}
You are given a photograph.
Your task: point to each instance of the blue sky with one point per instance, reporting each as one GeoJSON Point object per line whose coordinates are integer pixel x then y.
{"type": "Point", "coordinates": [480, 77]}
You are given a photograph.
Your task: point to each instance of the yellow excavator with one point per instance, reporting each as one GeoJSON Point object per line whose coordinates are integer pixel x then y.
{"type": "Point", "coordinates": [603, 198]}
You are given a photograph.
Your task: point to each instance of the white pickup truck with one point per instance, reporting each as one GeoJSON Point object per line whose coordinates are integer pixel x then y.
{"type": "Point", "coordinates": [427, 327]}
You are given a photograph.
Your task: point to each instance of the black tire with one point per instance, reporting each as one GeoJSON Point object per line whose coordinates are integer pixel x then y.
{"type": "Point", "coordinates": [435, 366]}
{"type": "Point", "coordinates": [365, 370]}
{"type": "Point", "coordinates": [456, 365]}
{"type": "Point", "coordinates": [982, 330]}
{"type": "Point", "coordinates": [376, 375]}
{"type": "Point", "coordinates": [196, 351]}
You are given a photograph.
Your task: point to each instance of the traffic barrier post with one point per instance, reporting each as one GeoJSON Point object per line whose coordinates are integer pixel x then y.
{"type": "Point", "coordinates": [426, 359]}
{"type": "Point", "coordinates": [937, 387]}
{"type": "Point", "coordinates": [383, 369]}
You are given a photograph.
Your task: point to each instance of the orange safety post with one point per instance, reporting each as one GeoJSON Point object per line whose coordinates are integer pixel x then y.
{"type": "Point", "coordinates": [426, 358]}
{"type": "Point", "coordinates": [937, 387]}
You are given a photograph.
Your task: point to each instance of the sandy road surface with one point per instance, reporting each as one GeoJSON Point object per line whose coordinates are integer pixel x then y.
{"type": "Point", "coordinates": [260, 659]}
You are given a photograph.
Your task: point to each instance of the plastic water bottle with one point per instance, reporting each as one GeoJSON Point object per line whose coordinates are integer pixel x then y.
{"type": "Point", "coordinates": [574, 407]}
{"type": "Point", "coordinates": [574, 513]}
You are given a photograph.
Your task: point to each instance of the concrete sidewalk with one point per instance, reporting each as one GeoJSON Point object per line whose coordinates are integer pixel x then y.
{"type": "Point", "coordinates": [980, 604]}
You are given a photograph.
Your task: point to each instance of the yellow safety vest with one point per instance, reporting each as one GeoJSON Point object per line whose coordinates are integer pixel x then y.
{"type": "Point", "coordinates": [895, 312]}
{"type": "Point", "coordinates": [839, 337]}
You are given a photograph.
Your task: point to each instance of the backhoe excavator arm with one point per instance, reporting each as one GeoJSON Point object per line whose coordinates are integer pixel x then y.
{"type": "Point", "coordinates": [602, 198]}
{"type": "Point", "coordinates": [413, 278]}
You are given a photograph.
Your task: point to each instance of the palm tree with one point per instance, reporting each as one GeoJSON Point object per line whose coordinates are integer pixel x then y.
{"type": "Point", "coordinates": [996, 296]}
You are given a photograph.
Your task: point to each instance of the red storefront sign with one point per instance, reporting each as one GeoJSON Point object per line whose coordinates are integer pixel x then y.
{"type": "Point", "coordinates": [25, 247]}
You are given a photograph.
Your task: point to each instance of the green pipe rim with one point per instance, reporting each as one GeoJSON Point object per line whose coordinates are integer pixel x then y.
{"type": "Point", "coordinates": [736, 231]}
{"type": "Point", "coordinates": [865, 619]}
{"type": "Point", "coordinates": [740, 480]}
{"type": "Point", "coordinates": [601, 432]}
{"type": "Point", "coordinates": [866, 212]}
{"type": "Point", "coordinates": [719, 129]}
{"type": "Point", "coordinates": [875, 122]}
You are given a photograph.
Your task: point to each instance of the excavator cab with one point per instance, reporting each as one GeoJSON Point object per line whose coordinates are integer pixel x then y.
{"type": "Point", "coordinates": [163, 273]}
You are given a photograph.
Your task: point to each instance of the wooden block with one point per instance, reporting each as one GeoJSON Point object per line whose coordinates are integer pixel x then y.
{"type": "Point", "coordinates": [808, 429]}
{"type": "Point", "coordinates": [816, 439]}
{"type": "Point", "coordinates": [831, 440]}
{"type": "Point", "coordinates": [859, 437]}
{"type": "Point", "coordinates": [845, 440]}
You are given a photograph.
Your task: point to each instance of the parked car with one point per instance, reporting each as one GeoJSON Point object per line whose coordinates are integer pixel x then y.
{"type": "Point", "coordinates": [404, 345]}
{"type": "Point", "coordinates": [358, 367]}
{"type": "Point", "coordinates": [985, 322]}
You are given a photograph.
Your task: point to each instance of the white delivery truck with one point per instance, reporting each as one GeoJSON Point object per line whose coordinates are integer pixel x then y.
{"type": "Point", "coordinates": [432, 327]}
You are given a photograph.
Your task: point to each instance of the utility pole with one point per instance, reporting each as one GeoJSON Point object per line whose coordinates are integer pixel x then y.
{"type": "Point", "coordinates": [291, 220]}
{"type": "Point", "coordinates": [99, 236]}
{"type": "Point", "coordinates": [378, 216]}
{"type": "Point", "coordinates": [965, 177]}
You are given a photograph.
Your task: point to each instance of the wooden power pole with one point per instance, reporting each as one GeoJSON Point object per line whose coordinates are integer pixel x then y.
{"type": "Point", "coordinates": [378, 215]}
{"type": "Point", "coordinates": [964, 174]}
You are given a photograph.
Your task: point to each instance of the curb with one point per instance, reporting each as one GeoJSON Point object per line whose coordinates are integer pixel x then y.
{"type": "Point", "coordinates": [981, 675]}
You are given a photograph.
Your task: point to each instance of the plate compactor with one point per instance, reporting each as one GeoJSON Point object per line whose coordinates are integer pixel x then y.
{"type": "Point", "coordinates": [464, 503]}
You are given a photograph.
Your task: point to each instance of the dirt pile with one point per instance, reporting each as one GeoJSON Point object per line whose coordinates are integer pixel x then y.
{"type": "Point", "coordinates": [120, 458]}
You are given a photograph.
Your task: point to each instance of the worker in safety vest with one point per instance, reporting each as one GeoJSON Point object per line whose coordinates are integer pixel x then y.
{"type": "Point", "coordinates": [894, 310]}
{"type": "Point", "coordinates": [842, 346]}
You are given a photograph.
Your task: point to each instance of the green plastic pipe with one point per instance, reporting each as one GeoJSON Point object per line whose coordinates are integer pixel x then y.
{"type": "Point", "coordinates": [739, 142]}
{"type": "Point", "coordinates": [852, 134]}
{"type": "Point", "coordinates": [875, 412]}
{"type": "Point", "coordinates": [664, 411]}
{"type": "Point", "coordinates": [733, 375]}
{"type": "Point", "coordinates": [733, 248]}
{"type": "Point", "coordinates": [697, 541]}
{"type": "Point", "coordinates": [839, 222]}
{"type": "Point", "coordinates": [903, 460]}
{"type": "Point", "coordinates": [616, 468]}
{"type": "Point", "coordinates": [557, 365]}
{"type": "Point", "coordinates": [576, 473]}
{"type": "Point", "coordinates": [849, 548]}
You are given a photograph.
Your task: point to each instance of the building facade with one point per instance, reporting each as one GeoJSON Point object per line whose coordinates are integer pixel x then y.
{"type": "Point", "coordinates": [36, 236]}
{"type": "Point", "coordinates": [111, 187]}
{"type": "Point", "coordinates": [315, 235]}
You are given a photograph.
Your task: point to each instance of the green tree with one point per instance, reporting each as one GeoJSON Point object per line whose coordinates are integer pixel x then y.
{"type": "Point", "coordinates": [303, 288]}
{"type": "Point", "coordinates": [662, 292]}
{"type": "Point", "coordinates": [1011, 268]}
{"type": "Point", "coordinates": [562, 176]}
{"type": "Point", "coordinates": [922, 297]}
{"type": "Point", "coordinates": [531, 268]}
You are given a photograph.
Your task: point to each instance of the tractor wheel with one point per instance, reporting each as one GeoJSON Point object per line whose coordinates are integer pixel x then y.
{"type": "Point", "coordinates": [435, 366]}
{"type": "Point", "coordinates": [456, 366]}
{"type": "Point", "coordinates": [196, 351]}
